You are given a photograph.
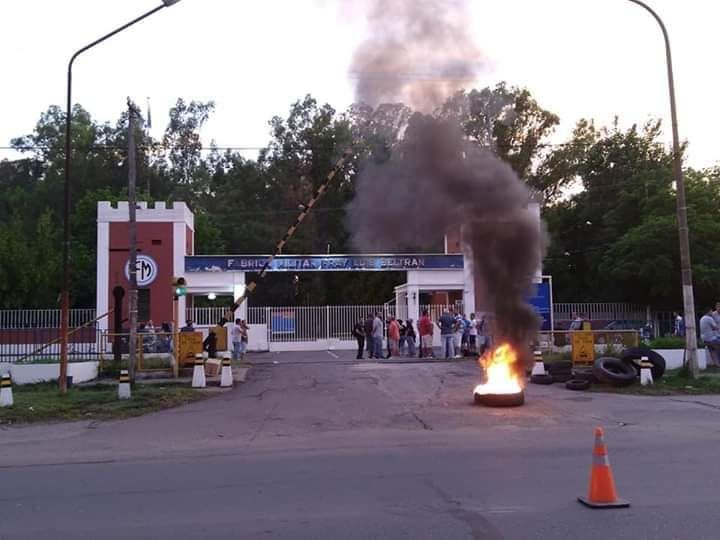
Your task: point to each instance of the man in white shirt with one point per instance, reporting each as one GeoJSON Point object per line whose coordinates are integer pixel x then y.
{"type": "Point", "coordinates": [710, 335]}
{"type": "Point", "coordinates": [236, 337]}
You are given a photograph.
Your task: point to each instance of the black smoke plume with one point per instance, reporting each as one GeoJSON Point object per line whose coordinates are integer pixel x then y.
{"type": "Point", "coordinates": [436, 181]}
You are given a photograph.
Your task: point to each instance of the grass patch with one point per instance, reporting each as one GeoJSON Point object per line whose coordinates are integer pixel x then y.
{"type": "Point", "coordinates": [43, 402]}
{"type": "Point", "coordinates": [674, 382]}
{"type": "Point", "coordinates": [667, 342]}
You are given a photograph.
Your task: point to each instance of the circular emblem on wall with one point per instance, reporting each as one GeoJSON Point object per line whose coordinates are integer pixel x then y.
{"type": "Point", "coordinates": [147, 270]}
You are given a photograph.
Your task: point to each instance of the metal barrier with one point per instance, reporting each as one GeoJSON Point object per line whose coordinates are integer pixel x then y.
{"type": "Point", "coordinates": [616, 338]}
{"type": "Point", "coordinates": [154, 350]}
{"type": "Point", "coordinates": [43, 318]}
{"type": "Point", "coordinates": [21, 345]}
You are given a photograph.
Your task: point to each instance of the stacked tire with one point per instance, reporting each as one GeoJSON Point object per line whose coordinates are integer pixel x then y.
{"type": "Point", "coordinates": [633, 355]}
{"type": "Point", "coordinates": [561, 371]}
{"type": "Point", "coordinates": [614, 371]}
{"type": "Point", "coordinates": [581, 379]}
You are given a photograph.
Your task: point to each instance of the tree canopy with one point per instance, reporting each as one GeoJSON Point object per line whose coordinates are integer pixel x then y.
{"type": "Point", "coordinates": [608, 194]}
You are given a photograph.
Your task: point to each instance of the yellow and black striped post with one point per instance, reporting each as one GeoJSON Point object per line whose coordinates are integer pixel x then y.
{"type": "Point", "coordinates": [198, 380]}
{"type": "Point", "coordinates": [539, 365]}
{"type": "Point", "coordinates": [124, 385]}
{"type": "Point", "coordinates": [6, 393]}
{"type": "Point", "coordinates": [226, 377]}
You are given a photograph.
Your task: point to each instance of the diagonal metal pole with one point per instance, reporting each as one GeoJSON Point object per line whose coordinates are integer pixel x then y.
{"type": "Point", "coordinates": [685, 266]}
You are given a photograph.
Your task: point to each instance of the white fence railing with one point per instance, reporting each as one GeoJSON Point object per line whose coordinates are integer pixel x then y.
{"type": "Point", "coordinates": [205, 316]}
{"type": "Point", "coordinates": [42, 318]}
{"type": "Point", "coordinates": [603, 311]}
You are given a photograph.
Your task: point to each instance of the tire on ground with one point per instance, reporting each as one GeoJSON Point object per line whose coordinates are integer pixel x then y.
{"type": "Point", "coordinates": [561, 365]}
{"type": "Point", "coordinates": [584, 374]}
{"type": "Point", "coordinates": [541, 379]}
{"type": "Point", "coordinates": [561, 376]}
{"type": "Point", "coordinates": [633, 355]}
{"type": "Point", "coordinates": [577, 384]}
{"type": "Point", "coordinates": [614, 371]}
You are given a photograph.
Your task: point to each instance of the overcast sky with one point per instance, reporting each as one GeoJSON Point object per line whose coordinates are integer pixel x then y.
{"type": "Point", "coordinates": [579, 58]}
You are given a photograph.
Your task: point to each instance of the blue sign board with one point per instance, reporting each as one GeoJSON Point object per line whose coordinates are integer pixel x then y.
{"type": "Point", "coordinates": [283, 322]}
{"type": "Point", "coordinates": [322, 263]}
{"type": "Point", "coordinates": [542, 302]}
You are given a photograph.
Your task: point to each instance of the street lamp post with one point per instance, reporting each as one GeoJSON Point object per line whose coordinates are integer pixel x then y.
{"type": "Point", "coordinates": [685, 268]}
{"type": "Point", "coordinates": [65, 295]}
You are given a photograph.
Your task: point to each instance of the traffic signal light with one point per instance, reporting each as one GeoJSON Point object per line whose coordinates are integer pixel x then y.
{"type": "Point", "coordinates": [179, 286]}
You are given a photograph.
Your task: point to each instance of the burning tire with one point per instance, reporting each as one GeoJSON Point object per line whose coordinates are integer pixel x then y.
{"type": "Point", "coordinates": [545, 378]}
{"type": "Point", "coordinates": [633, 354]}
{"type": "Point", "coordinates": [577, 384]}
{"type": "Point", "coordinates": [614, 371]}
{"type": "Point", "coordinates": [500, 400]}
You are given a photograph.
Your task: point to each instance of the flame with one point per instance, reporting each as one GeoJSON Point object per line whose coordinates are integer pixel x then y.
{"type": "Point", "coordinates": [500, 372]}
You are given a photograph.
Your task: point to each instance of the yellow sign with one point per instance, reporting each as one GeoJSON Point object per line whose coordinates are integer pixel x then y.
{"type": "Point", "coordinates": [190, 344]}
{"type": "Point", "coordinates": [583, 347]}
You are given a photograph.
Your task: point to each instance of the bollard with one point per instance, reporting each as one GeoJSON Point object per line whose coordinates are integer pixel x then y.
{"type": "Point", "coordinates": [539, 365]}
{"type": "Point", "coordinates": [198, 380]}
{"type": "Point", "coordinates": [6, 393]}
{"type": "Point", "coordinates": [124, 385]}
{"type": "Point", "coordinates": [646, 377]}
{"type": "Point", "coordinates": [226, 378]}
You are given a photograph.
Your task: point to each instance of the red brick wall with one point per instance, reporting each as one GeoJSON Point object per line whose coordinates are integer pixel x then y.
{"type": "Point", "coordinates": [155, 240]}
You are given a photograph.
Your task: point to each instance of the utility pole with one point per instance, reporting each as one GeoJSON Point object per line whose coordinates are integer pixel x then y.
{"type": "Point", "coordinates": [685, 266]}
{"type": "Point", "coordinates": [132, 230]}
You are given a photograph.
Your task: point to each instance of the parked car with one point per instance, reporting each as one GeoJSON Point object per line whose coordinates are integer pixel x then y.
{"type": "Point", "coordinates": [625, 325]}
{"type": "Point", "coordinates": [645, 328]}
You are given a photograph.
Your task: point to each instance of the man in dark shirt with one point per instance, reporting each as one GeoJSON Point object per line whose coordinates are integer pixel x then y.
{"type": "Point", "coordinates": [447, 333]}
{"type": "Point", "coordinates": [358, 333]}
{"type": "Point", "coordinates": [368, 327]}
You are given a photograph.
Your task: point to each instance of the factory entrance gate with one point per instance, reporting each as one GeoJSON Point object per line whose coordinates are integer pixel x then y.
{"type": "Point", "coordinates": [433, 281]}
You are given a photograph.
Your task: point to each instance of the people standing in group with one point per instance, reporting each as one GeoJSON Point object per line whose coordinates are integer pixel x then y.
{"type": "Point", "coordinates": [236, 337]}
{"type": "Point", "coordinates": [188, 327]}
{"type": "Point", "coordinates": [472, 334]}
{"type": "Point", "coordinates": [483, 335]}
{"type": "Point", "coordinates": [358, 333]}
{"type": "Point", "coordinates": [393, 337]}
{"type": "Point", "coordinates": [465, 335]}
{"type": "Point", "coordinates": [244, 339]}
{"type": "Point", "coordinates": [678, 325]}
{"type": "Point", "coordinates": [377, 335]}
{"type": "Point", "coordinates": [403, 335]}
{"type": "Point", "coordinates": [710, 335]}
{"type": "Point", "coordinates": [425, 328]}
{"type": "Point", "coordinates": [369, 342]}
{"type": "Point", "coordinates": [447, 333]}
{"type": "Point", "coordinates": [459, 327]}
{"type": "Point", "coordinates": [410, 337]}
{"type": "Point", "coordinates": [576, 323]}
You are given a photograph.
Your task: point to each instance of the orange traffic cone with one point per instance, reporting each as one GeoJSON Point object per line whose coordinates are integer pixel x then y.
{"type": "Point", "coordinates": [602, 486]}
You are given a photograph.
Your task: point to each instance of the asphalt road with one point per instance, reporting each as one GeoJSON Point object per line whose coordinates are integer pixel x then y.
{"type": "Point", "coordinates": [316, 446]}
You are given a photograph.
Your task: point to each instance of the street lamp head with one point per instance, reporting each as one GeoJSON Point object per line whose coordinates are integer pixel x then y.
{"type": "Point", "coordinates": [169, 3]}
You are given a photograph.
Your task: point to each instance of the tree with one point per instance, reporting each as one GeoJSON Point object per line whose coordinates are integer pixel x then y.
{"type": "Point", "coordinates": [506, 119]}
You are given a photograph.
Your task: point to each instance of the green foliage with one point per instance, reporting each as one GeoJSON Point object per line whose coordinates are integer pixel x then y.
{"type": "Point", "coordinates": [667, 342]}
{"type": "Point", "coordinates": [613, 235]}
{"type": "Point", "coordinates": [43, 403]}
